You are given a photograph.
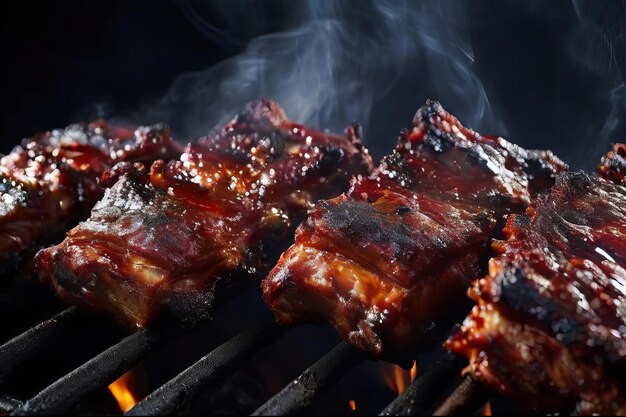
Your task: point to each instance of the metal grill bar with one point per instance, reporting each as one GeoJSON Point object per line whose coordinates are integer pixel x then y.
{"type": "Point", "coordinates": [468, 397]}
{"type": "Point", "coordinates": [421, 395]}
{"type": "Point", "coordinates": [96, 373]}
{"type": "Point", "coordinates": [301, 392]}
{"type": "Point", "coordinates": [23, 347]}
{"type": "Point", "coordinates": [177, 392]}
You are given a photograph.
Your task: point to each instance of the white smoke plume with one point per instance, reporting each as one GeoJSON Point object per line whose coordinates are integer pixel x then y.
{"type": "Point", "coordinates": [339, 62]}
{"type": "Point", "coordinates": [375, 62]}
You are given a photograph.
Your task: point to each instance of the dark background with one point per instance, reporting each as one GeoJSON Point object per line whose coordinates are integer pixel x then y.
{"type": "Point", "coordinates": [552, 70]}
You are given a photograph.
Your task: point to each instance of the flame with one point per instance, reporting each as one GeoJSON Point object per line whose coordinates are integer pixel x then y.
{"type": "Point", "coordinates": [123, 395]}
{"type": "Point", "coordinates": [487, 409]}
{"type": "Point", "coordinates": [352, 405]}
{"type": "Point", "coordinates": [396, 378]}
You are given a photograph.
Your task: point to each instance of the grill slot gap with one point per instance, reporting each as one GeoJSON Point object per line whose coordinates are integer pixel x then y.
{"type": "Point", "coordinates": [30, 343]}
{"type": "Point", "coordinates": [177, 392]}
{"type": "Point", "coordinates": [421, 395]}
{"type": "Point", "coordinates": [468, 397]}
{"type": "Point", "coordinates": [97, 372]}
{"type": "Point", "coordinates": [304, 390]}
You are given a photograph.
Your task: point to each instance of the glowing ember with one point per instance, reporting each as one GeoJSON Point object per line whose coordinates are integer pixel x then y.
{"type": "Point", "coordinates": [397, 378]}
{"type": "Point", "coordinates": [124, 397]}
{"type": "Point", "coordinates": [352, 405]}
{"type": "Point", "coordinates": [487, 409]}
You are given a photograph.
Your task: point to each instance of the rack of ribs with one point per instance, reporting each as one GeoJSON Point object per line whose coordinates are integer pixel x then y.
{"type": "Point", "coordinates": [163, 241]}
{"type": "Point", "coordinates": [549, 327]}
{"type": "Point", "coordinates": [388, 263]}
{"type": "Point", "coordinates": [49, 182]}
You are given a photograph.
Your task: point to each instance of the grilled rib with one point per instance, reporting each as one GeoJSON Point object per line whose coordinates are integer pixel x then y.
{"type": "Point", "coordinates": [49, 182]}
{"type": "Point", "coordinates": [163, 240]}
{"type": "Point", "coordinates": [388, 263]}
{"type": "Point", "coordinates": [549, 327]}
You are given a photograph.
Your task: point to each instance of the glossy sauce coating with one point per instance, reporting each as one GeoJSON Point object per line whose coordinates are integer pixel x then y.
{"type": "Point", "coordinates": [549, 329]}
{"type": "Point", "coordinates": [49, 182]}
{"type": "Point", "coordinates": [388, 263]}
{"type": "Point", "coordinates": [162, 240]}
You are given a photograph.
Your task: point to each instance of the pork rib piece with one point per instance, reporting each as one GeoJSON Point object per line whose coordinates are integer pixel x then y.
{"type": "Point", "coordinates": [49, 182]}
{"type": "Point", "coordinates": [389, 261]}
{"type": "Point", "coordinates": [549, 327]}
{"type": "Point", "coordinates": [162, 241]}
{"type": "Point", "coordinates": [613, 164]}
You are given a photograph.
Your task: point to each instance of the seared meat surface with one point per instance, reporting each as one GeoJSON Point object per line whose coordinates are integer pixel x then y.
{"type": "Point", "coordinates": [388, 263]}
{"type": "Point", "coordinates": [162, 240]}
{"type": "Point", "coordinates": [549, 327]}
{"type": "Point", "coordinates": [613, 164]}
{"type": "Point", "coordinates": [49, 182]}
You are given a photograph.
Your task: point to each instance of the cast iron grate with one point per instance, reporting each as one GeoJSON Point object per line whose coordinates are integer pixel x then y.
{"type": "Point", "coordinates": [429, 392]}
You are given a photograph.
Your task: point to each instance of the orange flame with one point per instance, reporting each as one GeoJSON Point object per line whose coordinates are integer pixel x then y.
{"type": "Point", "coordinates": [487, 409]}
{"type": "Point", "coordinates": [123, 395]}
{"type": "Point", "coordinates": [396, 378]}
{"type": "Point", "coordinates": [352, 405]}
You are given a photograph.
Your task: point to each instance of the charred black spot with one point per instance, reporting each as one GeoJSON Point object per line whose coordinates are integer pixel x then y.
{"type": "Point", "coordinates": [403, 210]}
{"type": "Point", "coordinates": [362, 222]}
{"type": "Point", "coordinates": [157, 132]}
{"type": "Point", "coordinates": [566, 329]}
{"type": "Point", "coordinates": [274, 143]}
{"type": "Point", "coordinates": [521, 221]}
{"type": "Point", "coordinates": [535, 164]}
{"type": "Point", "coordinates": [576, 181]}
{"type": "Point", "coordinates": [331, 157]}
{"type": "Point", "coordinates": [239, 156]}
{"type": "Point", "coordinates": [429, 110]}
{"type": "Point", "coordinates": [484, 220]}
{"type": "Point", "coordinates": [523, 296]}
{"type": "Point", "coordinates": [438, 140]}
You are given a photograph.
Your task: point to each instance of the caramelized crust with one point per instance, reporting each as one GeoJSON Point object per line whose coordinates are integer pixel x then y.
{"type": "Point", "coordinates": [162, 242]}
{"type": "Point", "coordinates": [50, 182]}
{"type": "Point", "coordinates": [549, 327]}
{"type": "Point", "coordinates": [388, 263]}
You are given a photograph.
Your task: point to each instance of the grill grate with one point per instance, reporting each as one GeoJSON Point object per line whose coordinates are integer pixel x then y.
{"type": "Point", "coordinates": [422, 395]}
{"type": "Point", "coordinates": [96, 373]}
{"type": "Point", "coordinates": [302, 391]}
{"type": "Point", "coordinates": [30, 343]}
{"type": "Point", "coordinates": [174, 394]}
{"type": "Point", "coordinates": [466, 398]}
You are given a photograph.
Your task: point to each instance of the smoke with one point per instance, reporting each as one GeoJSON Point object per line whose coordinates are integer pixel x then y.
{"type": "Point", "coordinates": [545, 74]}
{"type": "Point", "coordinates": [598, 44]}
{"type": "Point", "coordinates": [369, 61]}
